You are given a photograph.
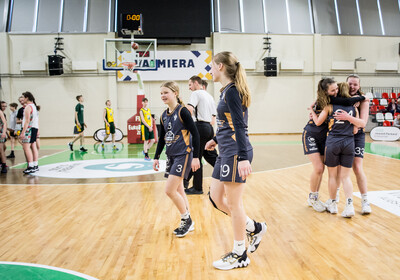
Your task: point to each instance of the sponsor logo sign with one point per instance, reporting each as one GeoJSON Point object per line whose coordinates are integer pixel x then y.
{"type": "Point", "coordinates": [385, 133]}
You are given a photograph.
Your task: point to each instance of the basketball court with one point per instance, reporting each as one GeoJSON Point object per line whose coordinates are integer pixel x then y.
{"type": "Point", "coordinates": [102, 214]}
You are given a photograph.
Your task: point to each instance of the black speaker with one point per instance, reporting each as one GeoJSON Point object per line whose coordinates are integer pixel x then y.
{"type": "Point", "coordinates": [270, 67]}
{"type": "Point", "coordinates": [56, 65]}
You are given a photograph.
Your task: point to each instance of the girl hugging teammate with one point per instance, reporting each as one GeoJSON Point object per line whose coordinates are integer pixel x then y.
{"type": "Point", "coordinates": [179, 134]}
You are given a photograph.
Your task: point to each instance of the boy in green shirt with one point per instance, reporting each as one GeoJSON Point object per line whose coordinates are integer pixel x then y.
{"type": "Point", "coordinates": [79, 125]}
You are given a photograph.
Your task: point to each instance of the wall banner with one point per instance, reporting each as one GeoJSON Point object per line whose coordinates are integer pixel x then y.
{"type": "Point", "coordinates": [385, 133]}
{"type": "Point", "coordinates": [174, 65]}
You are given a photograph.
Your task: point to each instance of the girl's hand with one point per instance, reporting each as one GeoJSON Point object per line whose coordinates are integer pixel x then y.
{"type": "Point", "coordinates": [244, 168]}
{"type": "Point", "coordinates": [341, 115]}
{"type": "Point", "coordinates": [156, 165]}
{"type": "Point", "coordinates": [195, 164]}
{"type": "Point", "coordinates": [210, 145]}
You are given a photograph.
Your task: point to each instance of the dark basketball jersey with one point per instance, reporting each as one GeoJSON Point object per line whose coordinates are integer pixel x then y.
{"type": "Point", "coordinates": [178, 139]}
{"type": "Point", "coordinates": [313, 128]}
{"type": "Point", "coordinates": [341, 128]}
{"type": "Point", "coordinates": [226, 136]}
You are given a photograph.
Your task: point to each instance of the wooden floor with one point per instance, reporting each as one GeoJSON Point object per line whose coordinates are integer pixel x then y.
{"type": "Point", "coordinates": [124, 231]}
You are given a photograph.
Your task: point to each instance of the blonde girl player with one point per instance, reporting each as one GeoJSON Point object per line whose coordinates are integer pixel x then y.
{"type": "Point", "coordinates": [29, 133]}
{"type": "Point", "coordinates": [233, 163]}
{"type": "Point", "coordinates": [108, 117]}
{"type": "Point", "coordinates": [314, 137]}
{"type": "Point", "coordinates": [339, 149]}
{"type": "Point", "coordinates": [146, 128]}
{"type": "Point", "coordinates": [3, 137]}
{"type": "Point", "coordinates": [178, 133]}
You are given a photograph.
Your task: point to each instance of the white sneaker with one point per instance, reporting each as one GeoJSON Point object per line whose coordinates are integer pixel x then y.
{"type": "Point", "coordinates": [365, 207]}
{"type": "Point", "coordinates": [318, 205]}
{"type": "Point", "coordinates": [309, 201]}
{"type": "Point", "coordinates": [232, 260]}
{"type": "Point", "coordinates": [337, 199]}
{"type": "Point", "coordinates": [348, 211]}
{"type": "Point", "coordinates": [331, 206]}
{"type": "Point", "coordinates": [256, 236]}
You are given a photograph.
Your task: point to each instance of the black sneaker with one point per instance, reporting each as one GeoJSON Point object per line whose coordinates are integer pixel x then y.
{"type": "Point", "coordinates": [71, 146]}
{"type": "Point", "coordinates": [192, 190]}
{"type": "Point", "coordinates": [232, 260]}
{"type": "Point", "coordinates": [11, 155]}
{"type": "Point", "coordinates": [3, 168]}
{"type": "Point", "coordinates": [36, 168]}
{"type": "Point", "coordinates": [82, 149]}
{"type": "Point", "coordinates": [186, 226]}
{"type": "Point", "coordinates": [256, 236]}
{"type": "Point", "coordinates": [29, 170]}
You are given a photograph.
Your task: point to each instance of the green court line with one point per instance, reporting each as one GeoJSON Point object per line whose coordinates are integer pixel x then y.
{"type": "Point", "coordinates": [381, 149]}
{"type": "Point", "coordinates": [12, 272]}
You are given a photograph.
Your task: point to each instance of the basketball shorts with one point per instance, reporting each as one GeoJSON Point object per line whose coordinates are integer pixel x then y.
{"type": "Point", "coordinates": [226, 169]}
{"type": "Point", "coordinates": [78, 130]}
{"type": "Point", "coordinates": [179, 165]}
{"type": "Point", "coordinates": [112, 128]}
{"type": "Point", "coordinates": [359, 143]}
{"type": "Point", "coordinates": [339, 151]}
{"type": "Point", "coordinates": [146, 134]}
{"type": "Point", "coordinates": [13, 133]}
{"type": "Point", "coordinates": [30, 135]}
{"type": "Point", "coordinates": [2, 140]}
{"type": "Point", "coordinates": [313, 143]}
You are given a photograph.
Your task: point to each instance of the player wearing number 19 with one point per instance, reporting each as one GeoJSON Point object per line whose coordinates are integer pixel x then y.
{"type": "Point", "coordinates": [178, 133]}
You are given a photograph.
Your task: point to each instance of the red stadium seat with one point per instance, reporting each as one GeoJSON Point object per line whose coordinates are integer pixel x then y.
{"type": "Point", "coordinates": [385, 95]}
{"type": "Point", "coordinates": [373, 110]}
{"type": "Point", "coordinates": [375, 101]}
{"type": "Point", "coordinates": [386, 123]}
{"type": "Point", "coordinates": [398, 95]}
{"type": "Point", "coordinates": [393, 95]}
{"type": "Point", "coordinates": [395, 114]}
{"type": "Point", "coordinates": [381, 108]}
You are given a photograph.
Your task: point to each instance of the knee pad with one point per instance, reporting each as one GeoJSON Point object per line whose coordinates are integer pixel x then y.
{"type": "Point", "coordinates": [215, 205]}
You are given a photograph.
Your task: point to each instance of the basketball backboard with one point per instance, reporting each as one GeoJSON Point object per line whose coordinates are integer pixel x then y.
{"type": "Point", "coordinates": [143, 52]}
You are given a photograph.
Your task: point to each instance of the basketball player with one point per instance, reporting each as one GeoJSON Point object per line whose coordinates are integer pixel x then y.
{"type": "Point", "coordinates": [108, 117]}
{"type": "Point", "coordinates": [177, 133]}
{"type": "Point", "coordinates": [314, 137]}
{"type": "Point", "coordinates": [339, 149]}
{"type": "Point", "coordinates": [29, 133]}
{"type": "Point", "coordinates": [79, 125]}
{"type": "Point", "coordinates": [3, 137]}
{"type": "Point", "coordinates": [146, 122]}
{"type": "Point", "coordinates": [12, 127]}
{"type": "Point", "coordinates": [233, 163]}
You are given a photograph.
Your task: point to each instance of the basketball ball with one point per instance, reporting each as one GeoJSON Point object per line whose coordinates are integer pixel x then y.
{"type": "Point", "coordinates": [135, 46]}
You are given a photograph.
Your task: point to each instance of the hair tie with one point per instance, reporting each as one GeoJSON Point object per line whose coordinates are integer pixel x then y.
{"type": "Point", "coordinates": [237, 63]}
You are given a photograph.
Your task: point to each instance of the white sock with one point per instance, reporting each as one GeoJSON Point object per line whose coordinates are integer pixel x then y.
{"type": "Point", "coordinates": [30, 164]}
{"type": "Point", "coordinates": [185, 215]}
{"type": "Point", "coordinates": [349, 200]}
{"type": "Point", "coordinates": [35, 163]}
{"type": "Point", "coordinates": [313, 195]}
{"type": "Point", "coordinates": [250, 227]}
{"type": "Point", "coordinates": [364, 197]}
{"type": "Point", "coordinates": [239, 247]}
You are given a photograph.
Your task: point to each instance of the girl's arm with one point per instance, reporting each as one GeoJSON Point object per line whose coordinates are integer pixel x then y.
{"type": "Point", "coordinates": [318, 120]}
{"type": "Point", "coordinates": [359, 122]}
{"type": "Point", "coordinates": [189, 124]}
{"type": "Point", "coordinates": [346, 101]}
{"type": "Point", "coordinates": [3, 119]}
{"type": "Point", "coordinates": [104, 116]}
{"type": "Point", "coordinates": [161, 142]}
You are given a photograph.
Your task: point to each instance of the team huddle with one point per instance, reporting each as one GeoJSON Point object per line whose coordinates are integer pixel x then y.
{"type": "Point", "coordinates": [335, 137]}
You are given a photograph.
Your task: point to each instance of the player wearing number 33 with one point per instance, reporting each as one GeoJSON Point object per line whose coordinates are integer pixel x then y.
{"type": "Point", "coordinates": [233, 163]}
{"type": "Point", "coordinates": [180, 135]}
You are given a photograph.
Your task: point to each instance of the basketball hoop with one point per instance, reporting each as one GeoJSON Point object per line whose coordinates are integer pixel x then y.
{"type": "Point", "coordinates": [129, 66]}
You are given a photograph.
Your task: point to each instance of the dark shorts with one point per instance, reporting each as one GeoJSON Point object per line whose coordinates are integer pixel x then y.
{"type": "Point", "coordinates": [13, 133]}
{"type": "Point", "coordinates": [146, 134]}
{"type": "Point", "coordinates": [313, 143]}
{"type": "Point", "coordinates": [78, 130]}
{"type": "Point", "coordinates": [179, 165]}
{"type": "Point", "coordinates": [359, 144]}
{"type": "Point", "coordinates": [30, 135]}
{"type": "Point", "coordinates": [226, 169]}
{"type": "Point", "coordinates": [339, 151]}
{"type": "Point", "coordinates": [112, 128]}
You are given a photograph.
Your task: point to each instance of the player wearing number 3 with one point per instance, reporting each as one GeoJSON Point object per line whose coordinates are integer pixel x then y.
{"type": "Point", "coordinates": [235, 155]}
{"type": "Point", "coordinates": [339, 148]}
{"type": "Point", "coordinates": [178, 131]}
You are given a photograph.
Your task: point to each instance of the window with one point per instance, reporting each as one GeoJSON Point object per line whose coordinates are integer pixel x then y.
{"type": "Point", "coordinates": [49, 16]}
{"type": "Point", "coordinates": [73, 17]}
{"type": "Point", "coordinates": [3, 15]}
{"type": "Point", "coordinates": [370, 17]}
{"type": "Point", "coordinates": [348, 17]}
{"type": "Point", "coordinates": [98, 16]}
{"type": "Point", "coordinates": [277, 16]}
{"type": "Point", "coordinates": [325, 17]}
{"type": "Point", "coordinates": [253, 16]}
{"type": "Point", "coordinates": [23, 17]}
{"type": "Point", "coordinates": [300, 17]}
{"type": "Point", "coordinates": [229, 16]}
{"type": "Point", "coordinates": [390, 15]}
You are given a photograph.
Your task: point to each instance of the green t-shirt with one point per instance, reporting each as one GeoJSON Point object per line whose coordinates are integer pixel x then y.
{"type": "Point", "coordinates": [79, 110]}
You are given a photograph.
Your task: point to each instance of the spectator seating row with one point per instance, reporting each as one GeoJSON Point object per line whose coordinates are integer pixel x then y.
{"type": "Point", "coordinates": [384, 95]}
{"type": "Point", "coordinates": [386, 118]}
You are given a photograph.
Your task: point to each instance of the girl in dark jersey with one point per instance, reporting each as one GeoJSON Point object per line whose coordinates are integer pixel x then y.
{"type": "Point", "coordinates": [314, 137]}
{"type": "Point", "coordinates": [235, 155]}
{"type": "Point", "coordinates": [177, 133]}
{"type": "Point", "coordinates": [339, 149]}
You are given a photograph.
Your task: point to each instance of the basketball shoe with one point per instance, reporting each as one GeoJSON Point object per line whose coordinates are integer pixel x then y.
{"type": "Point", "coordinates": [184, 228]}
{"type": "Point", "coordinates": [365, 207]}
{"type": "Point", "coordinates": [331, 206]}
{"type": "Point", "coordinates": [232, 260]}
{"type": "Point", "coordinates": [318, 205]}
{"type": "Point", "coordinates": [256, 236]}
{"type": "Point", "coordinates": [348, 211]}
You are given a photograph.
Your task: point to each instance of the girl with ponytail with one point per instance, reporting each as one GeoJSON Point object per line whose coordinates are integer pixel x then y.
{"type": "Point", "coordinates": [179, 134]}
{"type": "Point", "coordinates": [233, 163]}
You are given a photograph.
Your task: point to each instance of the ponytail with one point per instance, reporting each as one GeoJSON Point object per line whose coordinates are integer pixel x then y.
{"type": "Point", "coordinates": [174, 87]}
{"type": "Point", "coordinates": [236, 72]}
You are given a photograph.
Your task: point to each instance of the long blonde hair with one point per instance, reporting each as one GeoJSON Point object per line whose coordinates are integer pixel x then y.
{"type": "Point", "coordinates": [344, 90]}
{"type": "Point", "coordinates": [323, 98]}
{"type": "Point", "coordinates": [235, 71]}
{"type": "Point", "coordinates": [174, 87]}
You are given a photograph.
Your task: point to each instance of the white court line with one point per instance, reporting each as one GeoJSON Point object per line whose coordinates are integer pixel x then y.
{"type": "Point", "coordinates": [45, 156]}
{"type": "Point", "coordinates": [52, 268]}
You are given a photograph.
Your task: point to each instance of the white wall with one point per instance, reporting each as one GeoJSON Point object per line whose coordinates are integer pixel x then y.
{"type": "Point", "coordinates": [278, 103]}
